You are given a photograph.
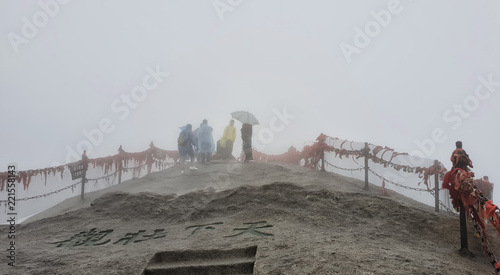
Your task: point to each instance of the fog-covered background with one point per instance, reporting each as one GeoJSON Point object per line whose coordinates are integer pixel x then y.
{"type": "Point", "coordinates": [412, 75]}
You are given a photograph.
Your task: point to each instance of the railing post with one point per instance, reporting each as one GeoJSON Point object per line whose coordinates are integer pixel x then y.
{"type": "Point", "coordinates": [83, 187]}
{"type": "Point", "coordinates": [464, 244]}
{"type": "Point", "coordinates": [323, 160]}
{"type": "Point", "coordinates": [436, 192]}
{"type": "Point", "coordinates": [119, 171]}
{"type": "Point", "coordinates": [150, 158]}
{"type": "Point", "coordinates": [367, 151]}
{"type": "Point", "coordinates": [436, 188]}
{"type": "Point", "coordinates": [85, 161]}
{"type": "Point", "coordinates": [120, 164]}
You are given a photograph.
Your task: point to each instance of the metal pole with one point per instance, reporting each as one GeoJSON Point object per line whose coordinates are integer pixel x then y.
{"type": "Point", "coordinates": [323, 160]}
{"type": "Point", "coordinates": [119, 170]}
{"type": "Point", "coordinates": [436, 193]}
{"type": "Point", "coordinates": [367, 150]}
{"type": "Point", "coordinates": [492, 189]}
{"type": "Point", "coordinates": [85, 162]}
{"type": "Point", "coordinates": [84, 179]}
{"type": "Point", "coordinates": [464, 244]}
{"type": "Point", "coordinates": [120, 163]}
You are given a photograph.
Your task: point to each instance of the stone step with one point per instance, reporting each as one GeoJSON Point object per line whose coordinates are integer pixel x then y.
{"type": "Point", "coordinates": [203, 262]}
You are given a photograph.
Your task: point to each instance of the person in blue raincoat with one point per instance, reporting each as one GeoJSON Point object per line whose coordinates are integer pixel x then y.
{"type": "Point", "coordinates": [206, 145]}
{"type": "Point", "coordinates": [195, 132]}
{"type": "Point", "coordinates": [186, 147]}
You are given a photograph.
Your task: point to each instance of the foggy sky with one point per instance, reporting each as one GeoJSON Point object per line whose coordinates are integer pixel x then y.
{"type": "Point", "coordinates": [110, 73]}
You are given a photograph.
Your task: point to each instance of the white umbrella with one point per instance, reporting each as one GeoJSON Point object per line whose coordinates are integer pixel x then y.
{"type": "Point", "coordinates": [245, 117]}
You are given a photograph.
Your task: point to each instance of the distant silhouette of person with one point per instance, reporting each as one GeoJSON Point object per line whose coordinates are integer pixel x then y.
{"type": "Point", "coordinates": [486, 187]}
{"type": "Point", "coordinates": [185, 147]}
{"type": "Point", "coordinates": [460, 180]}
{"type": "Point", "coordinates": [246, 136]}
{"type": "Point", "coordinates": [85, 161]}
{"type": "Point", "coordinates": [226, 142]}
{"type": "Point", "coordinates": [206, 145]}
{"type": "Point", "coordinates": [460, 159]}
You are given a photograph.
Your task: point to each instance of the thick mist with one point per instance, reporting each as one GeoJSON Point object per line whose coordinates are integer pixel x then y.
{"type": "Point", "coordinates": [93, 75]}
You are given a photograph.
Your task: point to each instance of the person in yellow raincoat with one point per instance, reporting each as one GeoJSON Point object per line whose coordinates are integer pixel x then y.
{"type": "Point", "coordinates": [225, 143]}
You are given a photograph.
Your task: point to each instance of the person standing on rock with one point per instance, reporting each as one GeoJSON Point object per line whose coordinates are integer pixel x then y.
{"type": "Point", "coordinates": [225, 144]}
{"type": "Point", "coordinates": [206, 144]}
{"type": "Point", "coordinates": [196, 153]}
{"type": "Point", "coordinates": [246, 136]}
{"type": "Point", "coordinates": [460, 159]}
{"type": "Point", "coordinates": [185, 144]}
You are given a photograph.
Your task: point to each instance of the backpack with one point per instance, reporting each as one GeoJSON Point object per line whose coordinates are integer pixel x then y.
{"type": "Point", "coordinates": [183, 138]}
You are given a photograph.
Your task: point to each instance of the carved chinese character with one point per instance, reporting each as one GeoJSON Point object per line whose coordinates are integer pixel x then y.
{"type": "Point", "coordinates": [202, 226]}
{"type": "Point", "coordinates": [252, 229]}
{"type": "Point", "coordinates": [91, 238]}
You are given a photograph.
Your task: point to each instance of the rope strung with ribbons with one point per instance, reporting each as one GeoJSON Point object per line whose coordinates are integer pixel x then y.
{"type": "Point", "coordinates": [25, 176]}
{"type": "Point", "coordinates": [62, 189]}
{"type": "Point", "coordinates": [386, 156]}
{"type": "Point", "coordinates": [71, 186]}
{"type": "Point", "coordinates": [311, 155]}
{"type": "Point", "coordinates": [484, 242]}
{"type": "Point", "coordinates": [153, 155]}
{"type": "Point", "coordinates": [461, 187]}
